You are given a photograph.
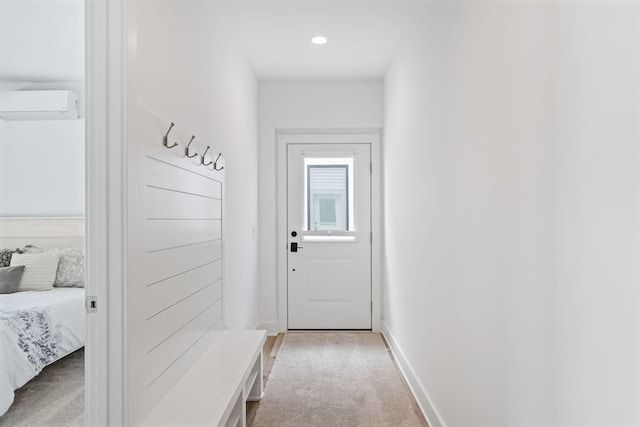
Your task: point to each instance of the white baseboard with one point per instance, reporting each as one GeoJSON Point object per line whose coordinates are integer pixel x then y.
{"type": "Point", "coordinates": [419, 392]}
{"type": "Point", "coordinates": [271, 327]}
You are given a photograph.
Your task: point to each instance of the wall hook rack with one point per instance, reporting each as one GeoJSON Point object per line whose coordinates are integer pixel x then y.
{"type": "Point", "coordinates": [215, 163]}
{"type": "Point", "coordinates": [186, 149]}
{"type": "Point", "coordinates": [202, 163]}
{"type": "Point", "coordinates": [165, 139]}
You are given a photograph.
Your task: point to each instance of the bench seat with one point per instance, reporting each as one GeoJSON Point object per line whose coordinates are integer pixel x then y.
{"type": "Point", "coordinates": [215, 390]}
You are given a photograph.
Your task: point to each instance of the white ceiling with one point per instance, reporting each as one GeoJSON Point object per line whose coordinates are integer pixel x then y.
{"type": "Point", "coordinates": [42, 40]}
{"type": "Point", "coordinates": [363, 37]}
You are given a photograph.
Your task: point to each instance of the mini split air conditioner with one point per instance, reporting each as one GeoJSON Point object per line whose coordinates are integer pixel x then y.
{"type": "Point", "coordinates": [38, 105]}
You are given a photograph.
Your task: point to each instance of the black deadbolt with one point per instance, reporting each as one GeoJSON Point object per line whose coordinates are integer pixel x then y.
{"type": "Point", "coordinates": [294, 234]}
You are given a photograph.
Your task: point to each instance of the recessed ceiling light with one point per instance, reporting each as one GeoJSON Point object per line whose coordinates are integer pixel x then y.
{"type": "Point", "coordinates": [319, 40]}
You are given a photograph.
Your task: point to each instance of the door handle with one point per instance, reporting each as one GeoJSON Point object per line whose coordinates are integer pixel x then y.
{"type": "Point", "coordinates": [295, 247]}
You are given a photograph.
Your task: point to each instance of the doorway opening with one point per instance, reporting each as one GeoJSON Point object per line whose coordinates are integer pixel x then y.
{"type": "Point", "coordinates": [42, 212]}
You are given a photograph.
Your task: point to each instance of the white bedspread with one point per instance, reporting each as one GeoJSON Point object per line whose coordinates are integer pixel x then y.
{"type": "Point", "coordinates": [36, 329]}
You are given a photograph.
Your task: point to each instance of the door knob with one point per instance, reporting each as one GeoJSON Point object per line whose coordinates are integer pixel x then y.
{"type": "Point", "coordinates": [295, 247]}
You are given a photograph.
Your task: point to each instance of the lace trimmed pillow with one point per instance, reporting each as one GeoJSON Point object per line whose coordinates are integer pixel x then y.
{"type": "Point", "coordinates": [5, 256]}
{"type": "Point", "coordinates": [70, 272]}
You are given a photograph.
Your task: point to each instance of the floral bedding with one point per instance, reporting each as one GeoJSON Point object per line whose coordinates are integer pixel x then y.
{"type": "Point", "coordinates": [36, 329]}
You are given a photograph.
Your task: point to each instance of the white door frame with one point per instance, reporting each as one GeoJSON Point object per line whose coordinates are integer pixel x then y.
{"type": "Point", "coordinates": [371, 136]}
{"type": "Point", "coordinates": [105, 232]}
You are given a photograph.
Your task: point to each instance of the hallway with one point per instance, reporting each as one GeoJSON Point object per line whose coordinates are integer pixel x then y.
{"type": "Point", "coordinates": [334, 378]}
{"type": "Point", "coordinates": [509, 198]}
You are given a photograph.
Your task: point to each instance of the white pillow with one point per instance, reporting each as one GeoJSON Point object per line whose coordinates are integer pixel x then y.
{"type": "Point", "coordinates": [39, 270]}
{"type": "Point", "coordinates": [70, 268]}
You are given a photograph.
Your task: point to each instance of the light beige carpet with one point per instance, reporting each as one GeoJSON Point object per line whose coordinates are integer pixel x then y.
{"type": "Point", "coordinates": [334, 379]}
{"type": "Point", "coordinates": [55, 398]}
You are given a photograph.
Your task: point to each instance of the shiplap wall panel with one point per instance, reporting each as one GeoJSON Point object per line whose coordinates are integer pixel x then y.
{"type": "Point", "coordinates": [169, 204]}
{"type": "Point", "coordinates": [42, 242]}
{"type": "Point", "coordinates": [173, 290]}
{"type": "Point", "coordinates": [172, 321]}
{"type": "Point", "coordinates": [43, 232]}
{"type": "Point", "coordinates": [169, 234]}
{"type": "Point", "coordinates": [156, 388]}
{"type": "Point", "coordinates": [161, 265]}
{"type": "Point", "coordinates": [175, 259]}
{"type": "Point", "coordinates": [163, 356]}
{"type": "Point", "coordinates": [161, 174]}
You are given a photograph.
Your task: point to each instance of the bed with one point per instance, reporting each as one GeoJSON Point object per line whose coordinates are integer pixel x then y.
{"type": "Point", "coordinates": [38, 327]}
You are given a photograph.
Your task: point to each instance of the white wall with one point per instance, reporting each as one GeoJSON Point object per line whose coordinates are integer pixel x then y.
{"type": "Point", "coordinates": [511, 213]}
{"type": "Point", "coordinates": [42, 162]}
{"type": "Point", "coordinates": [302, 104]}
{"type": "Point", "coordinates": [42, 168]}
{"type": "Point", "coordinates": [50, 32]}
{"type": "Point", "coordinates": [597, 182]}
{"type": "Point", "coordinates": [194, 76]}
{"type": "Point", "coordinates": [182, 68]}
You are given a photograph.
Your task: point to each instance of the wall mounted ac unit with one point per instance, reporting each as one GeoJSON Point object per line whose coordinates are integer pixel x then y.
{"type": "Point", "coordinates": [38, 105]}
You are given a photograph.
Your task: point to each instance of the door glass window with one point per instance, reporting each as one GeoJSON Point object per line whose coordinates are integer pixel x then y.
{"type": "Point", "coordinates": [329, 194]}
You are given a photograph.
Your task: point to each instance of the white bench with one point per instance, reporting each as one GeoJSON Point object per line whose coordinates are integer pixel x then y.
{"type": "Point", "coordinates": [215, 390]}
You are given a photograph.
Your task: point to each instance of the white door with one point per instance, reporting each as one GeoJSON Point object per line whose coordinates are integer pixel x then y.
{"type": "Point", "coordinates": [329, 236]}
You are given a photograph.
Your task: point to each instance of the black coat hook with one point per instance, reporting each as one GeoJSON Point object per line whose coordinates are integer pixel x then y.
{"type": "Point", "coordinates": [186, 149]}
{"type": "Point", "coordinates": [215, 163]}
{"type": "Point", "coordinates": [165, 139]}
{"type": "Point", "coordinates": [202, 163]}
